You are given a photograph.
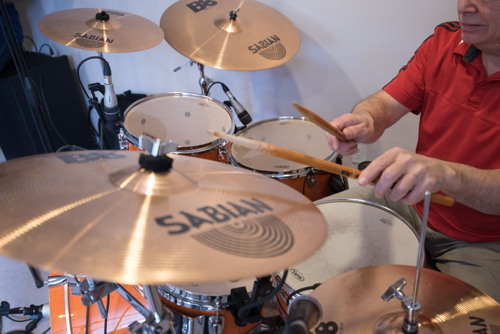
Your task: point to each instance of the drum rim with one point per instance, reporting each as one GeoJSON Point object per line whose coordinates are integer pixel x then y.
{"type": "Point", "coordinates": [369, 203]}
{"type": "Point", "coordinates": [180, 149]}
{"type": "Point", "coordinates": [193, 300]}
{"type": "Point", "coordinates": [283, 174]}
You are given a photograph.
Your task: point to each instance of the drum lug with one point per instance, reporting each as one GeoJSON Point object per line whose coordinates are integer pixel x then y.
{"type": "Point", "coordinates": [311, 180]}
{"type": "Point", "coordinates": [213, 324]}
{"type": "Point", "coordinates": [223, 153]}
{"type": "Point", "coordinates": [216, 324]}
{"type": "Point", "coordinates": [122, 140]}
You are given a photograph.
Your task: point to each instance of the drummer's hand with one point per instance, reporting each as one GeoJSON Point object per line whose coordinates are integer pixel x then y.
{"type": "Point", "coordinates": [404, 176]}
{"type": "Point", "coordinates": [356, 128]}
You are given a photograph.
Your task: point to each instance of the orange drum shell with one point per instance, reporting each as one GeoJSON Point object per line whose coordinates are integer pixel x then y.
{"type": "Point", "coordinates": [229, 325]}
{"type": "Point", "coordinates": [120, 314]}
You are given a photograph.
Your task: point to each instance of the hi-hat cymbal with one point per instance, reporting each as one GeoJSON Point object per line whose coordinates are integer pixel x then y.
{"type": "Point", "coordinates": [99, 214]}
{"type": "Point", "coordinates": [238, 35]}
{"type": "Point", "coordinates": [101, 30]}
{"type": "Point", "coordinates": [352, 301]}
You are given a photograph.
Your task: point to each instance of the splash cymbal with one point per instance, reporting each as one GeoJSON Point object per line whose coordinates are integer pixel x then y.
{"type": "Point", "coordinates": [238, 35]}
{"type": "Point", "coordinates": [101, 30]}
{"type": "Point", "coordinates": [352, 301]}
{"type": "Point", "coordinates": [98, 213]}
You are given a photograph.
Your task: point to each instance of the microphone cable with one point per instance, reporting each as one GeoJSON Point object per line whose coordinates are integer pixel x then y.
{"type": "Point", "coordinates": [243, 311]}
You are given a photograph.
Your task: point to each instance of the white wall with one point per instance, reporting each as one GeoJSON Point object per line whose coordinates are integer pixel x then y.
{"type": "Point", "coordinates": [349, 49]}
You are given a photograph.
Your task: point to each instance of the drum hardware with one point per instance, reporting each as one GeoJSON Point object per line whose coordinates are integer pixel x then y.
{"type": "Point", "coordinates": [253, 309]}
{"type": "Point", "coordinates": [293, 133]}
{"type": "Point", "coordinates": [101, 30]}
{"type": "Point", "coordinates": [122, 140]}
{"type": "Point", "coordinates": [160, 319]}
{"type": "Point", "coordinates": [449, 304]}
{"type": "Point", "coordinates": [204, 81]}
{"type": "Point", "coordinates": [182, 118]}
{"type": "Point", "coordinates": [93, 293]}
{"type": "Point", "coordinates": [360, 233]}
{"type": "Point", "coordinates": [231, 35]}
{"type": "Point", "coordinates": [304, 315]}
{"type": "Point", "coordinates": [84, 197]}
{"type": "Point", "coordinates": [155, 146]}
{"type": "Point", "coordinates": [190, 63]}
{"type": "Point", "coordinates": [291, 155]}
{"type": "Point", "coordinates": [297, 293]}
{"type": "Point", "coordinates": [409, 303]}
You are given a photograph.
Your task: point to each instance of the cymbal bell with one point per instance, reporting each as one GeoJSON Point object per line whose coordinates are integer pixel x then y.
{"type": "Point", "coordinates": [99, 213]}
{"type": "Point", "coordinates": [238, 35]}
{"type": "Point", "coordinates": [101, 30]}
{"type": "Point", "coordinates": [352, 301]}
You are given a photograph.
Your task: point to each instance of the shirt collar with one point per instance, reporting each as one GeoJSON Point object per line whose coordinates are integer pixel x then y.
{"type": "Point", "coordinates": [468, 51]}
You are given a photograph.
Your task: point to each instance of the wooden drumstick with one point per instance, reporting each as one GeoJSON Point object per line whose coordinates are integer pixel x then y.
{"type": "Point", "coordinates": [307, 160]}
{"type": "Point", "coordinates": [316, 119]}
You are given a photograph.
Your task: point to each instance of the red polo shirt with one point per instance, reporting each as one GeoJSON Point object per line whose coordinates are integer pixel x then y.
{"type": "Point", "coordinates": [459, 107]}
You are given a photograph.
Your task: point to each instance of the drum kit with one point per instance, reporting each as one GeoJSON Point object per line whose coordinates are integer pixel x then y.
{"type": "Point", "coordinates": [184, 233]}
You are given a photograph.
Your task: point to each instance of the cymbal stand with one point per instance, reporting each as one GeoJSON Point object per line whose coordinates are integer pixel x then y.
{"type": "Point", "coordinates": [93, 292]}
{"type": "Point", "coordinates": [204, 80]}
{"type": "Point", "coordinates": [409, 303]}
{"type": "Point", "coordinates": [160, 319]}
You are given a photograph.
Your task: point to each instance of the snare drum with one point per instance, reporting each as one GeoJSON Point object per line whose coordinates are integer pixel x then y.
{"type": "Point", "coordinates": [360, 234]}
{"type": "Point", "coordinates": [69, 315]}
{"type": "Point", "coordinates": [204, 308]}
{"type": "Point", "coordinates": [296, 134]}
{"type": "Point", "coordinates": [183, 118]}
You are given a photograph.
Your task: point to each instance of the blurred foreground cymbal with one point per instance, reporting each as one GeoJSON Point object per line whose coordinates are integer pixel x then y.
{"type": "Point", "coordinates": [352, 301]}
{"type": "Point", "coordinates": [99, 214]}
{"type": "Point", "coordinates": [101, 30]}
{"type": "Point", "coordinates": [238, 35]}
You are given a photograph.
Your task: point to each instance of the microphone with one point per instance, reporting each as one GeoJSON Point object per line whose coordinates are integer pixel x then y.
{"type": "Point", "coordinates": [304, 314]}
{"type": "Point", "coordinates": [240, 111]}
{"type": "Point", "coordinates": [33, 311]}
{"type": "Point", "coordinates": [111, 109]}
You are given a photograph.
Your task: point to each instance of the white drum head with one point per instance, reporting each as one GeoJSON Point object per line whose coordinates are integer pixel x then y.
{"type": "Point", "coordinates": [361, 233]}
{"type": "Point", "coordinates": [181, 117]}
{"type": "Point", "coordinates": [297, 134]}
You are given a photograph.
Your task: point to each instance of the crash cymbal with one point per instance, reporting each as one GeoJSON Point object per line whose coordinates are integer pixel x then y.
{"type": "Point", "coordinates": [238, 35]}
{"type": "Point", "coordinates": [100, 214]}
{"type": "Point", "coordinates": [101, 30]}
{"type": "Point", "coordinates": [352, 301]}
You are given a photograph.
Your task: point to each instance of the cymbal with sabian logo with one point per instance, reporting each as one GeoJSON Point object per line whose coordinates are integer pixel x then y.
{"type": "Point", "coordinates": [101, 30]}
{"type": "Point", "coordinates": [231, 34]}
{"type": "Point", "coordinates": [352, 303]}
{"type": "Point", "coordinates": [105, 215]}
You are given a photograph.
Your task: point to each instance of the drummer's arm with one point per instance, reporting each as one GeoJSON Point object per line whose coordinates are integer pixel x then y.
{"type": "Point", "coordinates": [383, 110]}
{"type": "Point", "coordinates": [476, 188]}
{"type": "Point", "coordinates": [366, 122]}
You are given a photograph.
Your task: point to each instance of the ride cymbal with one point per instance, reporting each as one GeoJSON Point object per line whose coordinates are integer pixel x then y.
{"type": "Point", "coordinates": [238, 35]}
{"type": "Point", "coordinates": [101, 30]}
{"type": "Point", "coordinates": [100, 214]}
{"type": "Point", "coordinates": [352, 301]}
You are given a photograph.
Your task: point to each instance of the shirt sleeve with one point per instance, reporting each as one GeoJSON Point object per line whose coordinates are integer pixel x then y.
{"type": "Point", "coordinates": [409, 84]}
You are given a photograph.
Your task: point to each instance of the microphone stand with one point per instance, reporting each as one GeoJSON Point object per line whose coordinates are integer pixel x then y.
{"type": "Point", "coordinates": [44, 143]}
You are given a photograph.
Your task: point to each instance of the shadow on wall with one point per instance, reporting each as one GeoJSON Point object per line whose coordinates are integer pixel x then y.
{"type": "Point", "coordinates": [276, 89]}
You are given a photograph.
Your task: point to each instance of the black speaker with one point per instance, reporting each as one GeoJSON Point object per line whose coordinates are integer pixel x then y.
{"type": "Point", "coordinates": [60, 117]}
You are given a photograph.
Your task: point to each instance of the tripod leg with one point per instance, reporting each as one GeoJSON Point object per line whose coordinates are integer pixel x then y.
{"type": "Point", "coordinates": [38, 282]}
